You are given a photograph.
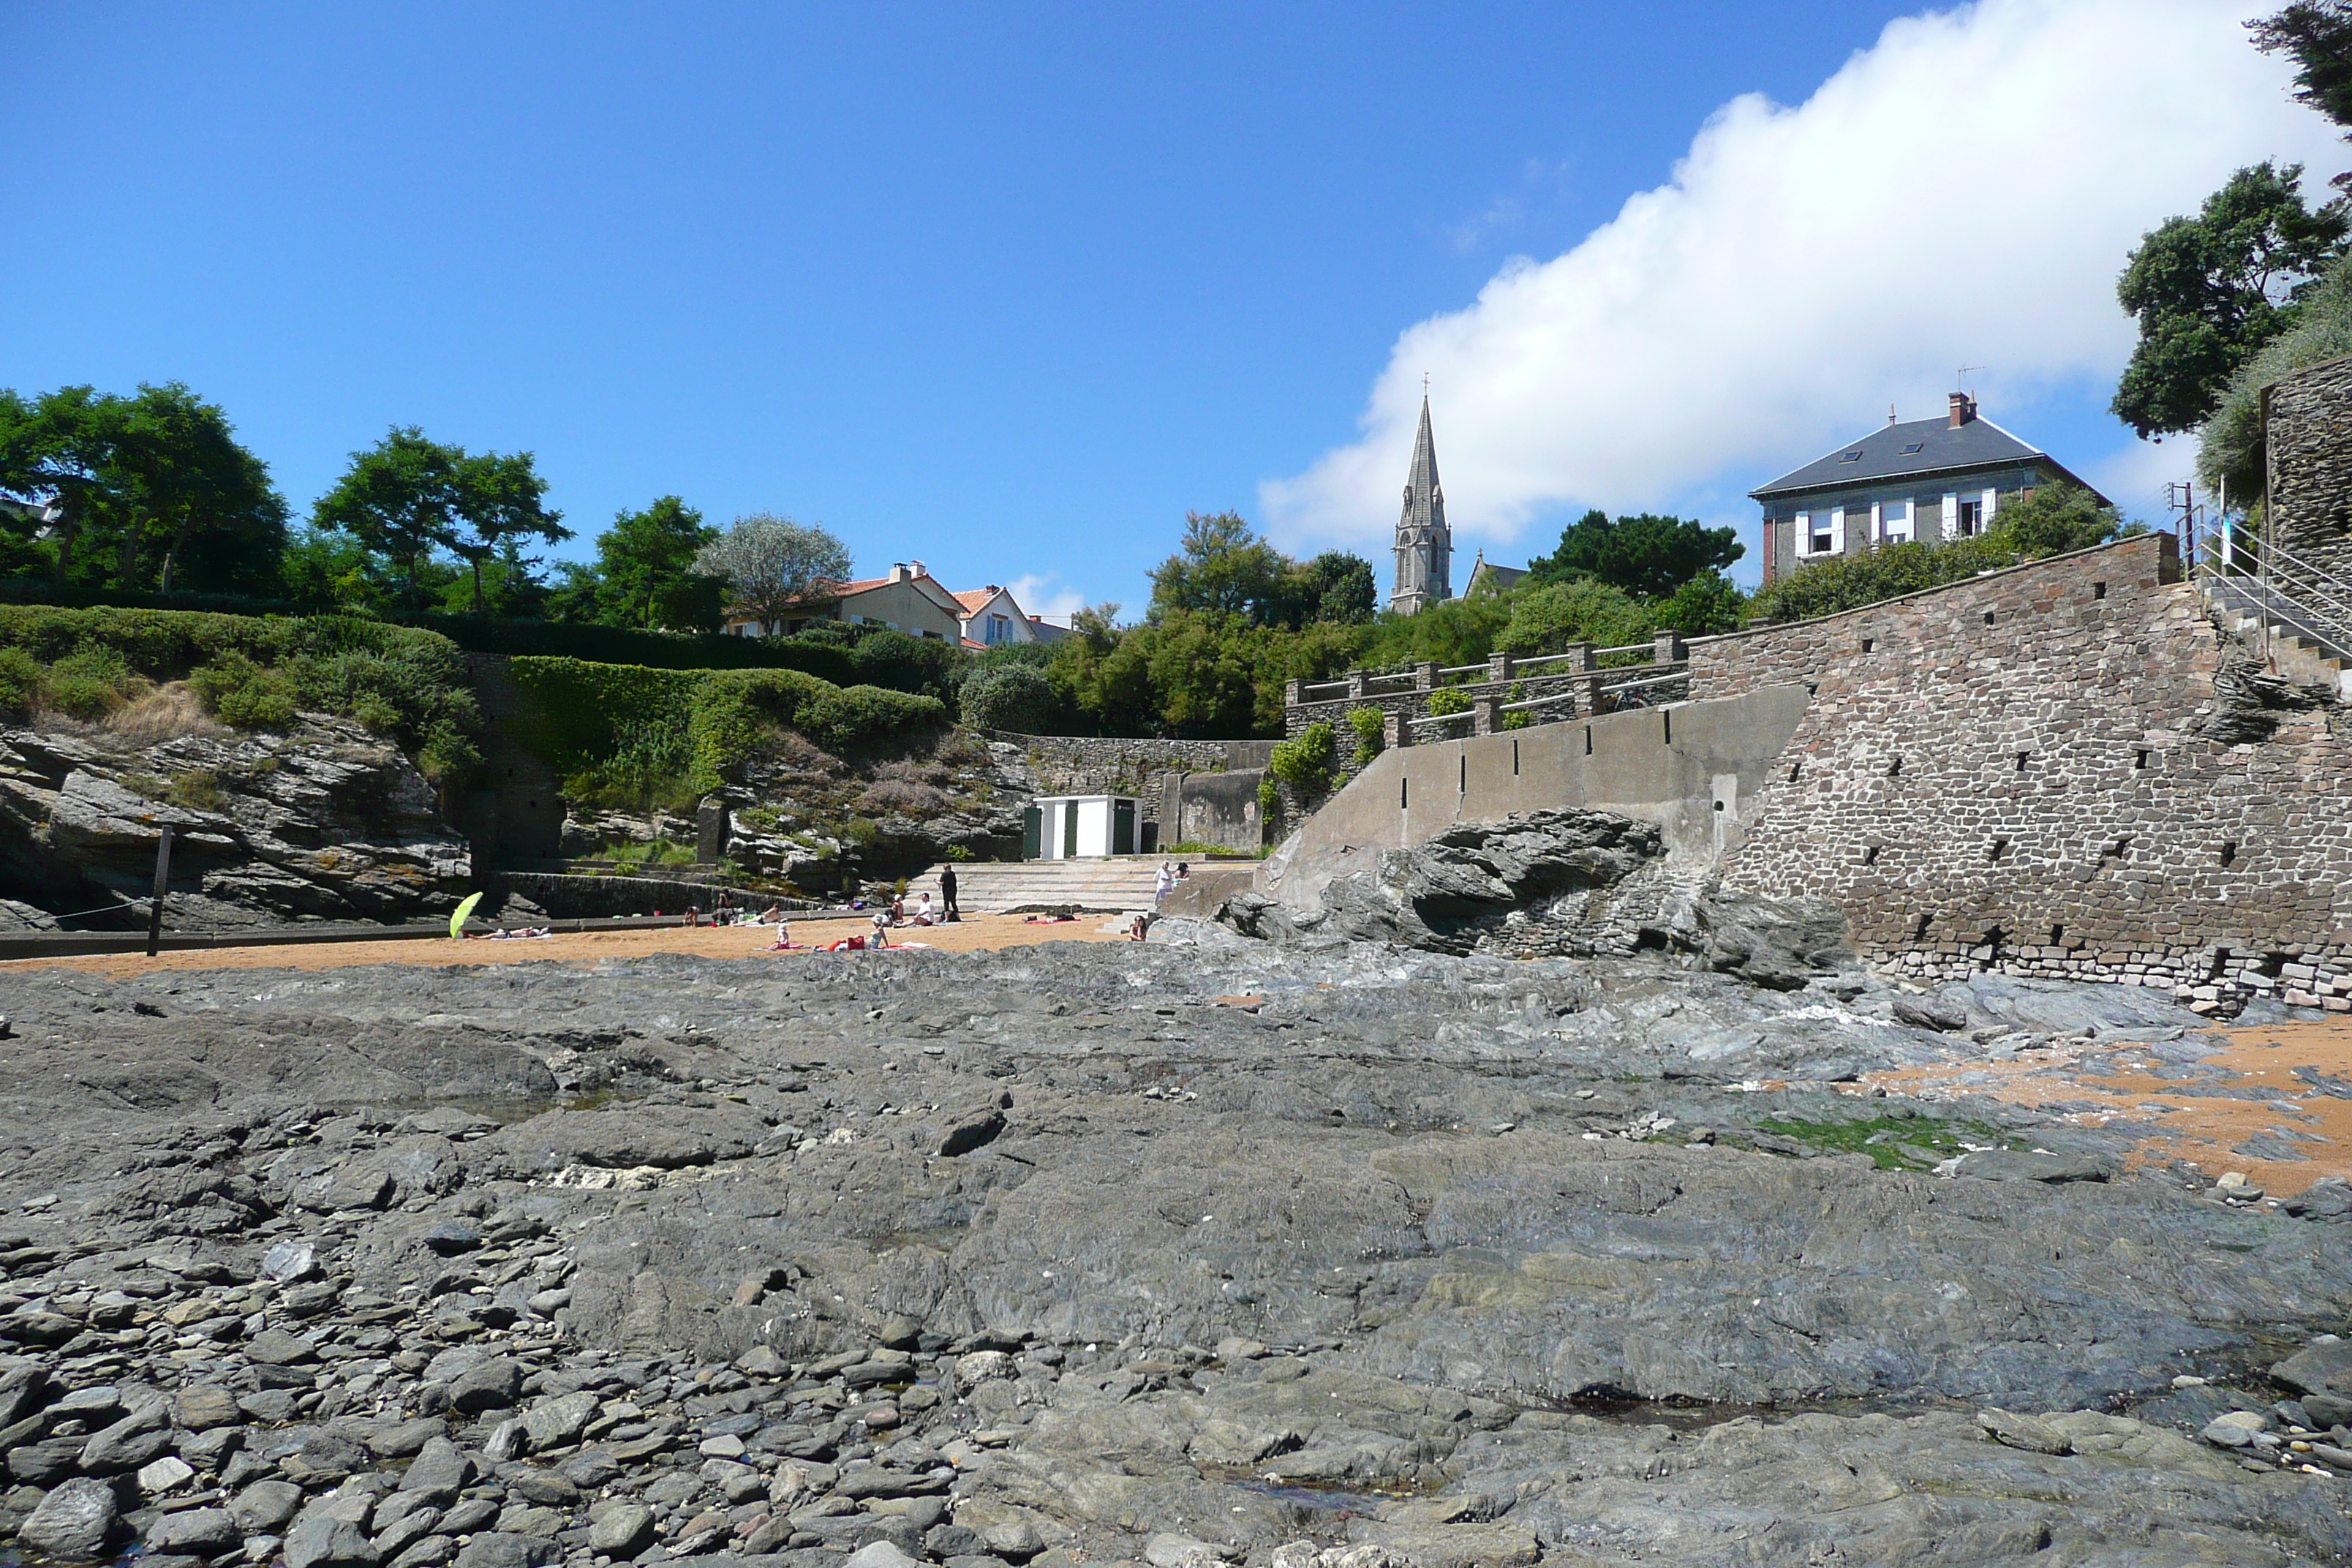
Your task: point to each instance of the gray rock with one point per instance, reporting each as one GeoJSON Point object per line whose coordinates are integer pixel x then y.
{"type": "Point", "coordinates": [332, 1532]}
{"type": "Point", "coordinates": [201, 1406]}
{"type": "Point", "coordinates": [2325, 1369]}
{"type": "Point", "coordinates": [204, 1532]}
{"type": "Point", "coordinates": [619, 1531]}
{"type": "Point", "coordinates": [72, 1523]}
{"type": "Point", "coordinates": [439, 1472]}
{"type": "Point", "coordinates": [553, 1423]}
{"type": "Point", "coordinates": [881, 1554]}
{"type": "Point", "coordinates": [504, 1548]}
{"type": "Point", "coordinates": [492, 1384]}
{"type": "Point", "coordinates": [264, 1506]}
{"type": "Point", "coordinates": [291, 1261]}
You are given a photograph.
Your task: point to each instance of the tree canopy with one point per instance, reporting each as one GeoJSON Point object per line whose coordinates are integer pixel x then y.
{"type": "Point", "coordinates": [2317, 36]}
{"type": "Point", "coordinates": [1222, 567]}
{"type": "Point", "coordinates": [408, 496]}
{"type": "Point", "coordinates": [1643, 554]}
{"type": "Point", "coordinates": [2208, 291]}
{"type": "Point", "coordinates": [773, 565]}
{"type": "Point", "coordinates": [157, 482]}
{"type": "Point", "coordinates": [643, 574]}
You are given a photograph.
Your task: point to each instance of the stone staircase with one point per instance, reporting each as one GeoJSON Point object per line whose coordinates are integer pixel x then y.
{"type": "Point", "coordinates": [1115, 882]}
{"type": "Point", "coordinates": [2303, 648]}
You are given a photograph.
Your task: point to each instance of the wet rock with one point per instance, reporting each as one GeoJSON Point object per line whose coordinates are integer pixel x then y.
{"type": "Point", "coordinates": [202, 1532]}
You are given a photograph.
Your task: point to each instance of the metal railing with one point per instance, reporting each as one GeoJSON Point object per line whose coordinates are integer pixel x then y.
{"type": "Point", "coordinates": [2257, 575]}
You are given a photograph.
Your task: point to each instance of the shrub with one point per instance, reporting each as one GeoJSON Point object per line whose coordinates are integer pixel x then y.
{"type": "Point", "coordinates": [1448, 700]}
{"type": "Point", "coordinates": [1547, 618]}
{"type": "Point", "coordinates": [1850, 582]}
{"type": "Point", "coordinates": [1304, 762]}
{"type": "Point", "coordinates": [1016, 697]}
{"type": "Point", "coordinates": [1269, 800]}
{"type": "Point", "coordinates": [199, 789]}
{"type": "Point", "coordinates": [1371, 727]}
{"type": "Point", "coordinates": [959, 852]}
{"type": "Point", "coordinates": [20, 682]}
{"type": "Point", "coordinates": [241, 694]}
{"type": "Point", "coordinates": [88, 683]}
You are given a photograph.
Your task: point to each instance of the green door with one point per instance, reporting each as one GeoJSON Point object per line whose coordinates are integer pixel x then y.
{"type": "Point", "coordinates": [1032, 833]}
{"type": "Point", "coordinates": [1122, 827]}
{"type": "Point", "coordinates": [1069, 829]}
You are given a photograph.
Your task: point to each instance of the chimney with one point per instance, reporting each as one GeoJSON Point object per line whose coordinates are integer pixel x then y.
{"type": "Point", "coordinates": [914, 569]}
{"type": "Point", "coordinates": [1964, 408]}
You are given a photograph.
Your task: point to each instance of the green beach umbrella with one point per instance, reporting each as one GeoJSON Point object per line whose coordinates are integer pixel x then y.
{"type": "Point", "coordinates": [458, 921]}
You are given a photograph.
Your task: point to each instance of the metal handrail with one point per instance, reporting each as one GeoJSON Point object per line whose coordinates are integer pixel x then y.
{"type": "Point", "coordinates": [2282, 586]}
{"type": "Point", "coordinates": [1539, 701]}
{"type": "Point", "coordinates": [1464, 669]}
{"type": "Point", "coordinates": [1443, 718]}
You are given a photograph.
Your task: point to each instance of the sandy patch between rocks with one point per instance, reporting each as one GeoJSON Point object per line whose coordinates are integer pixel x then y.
{"type": "Point", "coordinates": [2274, 1101]}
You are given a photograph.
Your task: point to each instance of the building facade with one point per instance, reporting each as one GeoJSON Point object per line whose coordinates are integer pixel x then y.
{"type": "Point", "coordinates": [1424, 545]}
{"type": "Point", "coordinates": [1923, 480]}
{"type": "Point", "coordinates": [909, 600]}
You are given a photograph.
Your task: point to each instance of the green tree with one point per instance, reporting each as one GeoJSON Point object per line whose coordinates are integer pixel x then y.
{"type": "Point", "coordinates": [1336, 587]}
{"type": "Point", "coordinates": [2054, 519]}
{"type": "Point", "coordinates": [2317, 36]}
{"type": "Point", "coordinates": [1707, 604]}
{"type": "Point", "coordinates": [398, 499]}
{"type": "Point", "coordinates": [773, 565]}
{"type": "Point", "coordinates": [644, 573]}
{"type": "Point", "coordinates": [1220, 567]}
{"type": "Point", "coordinates": [57, 462]}
{"type": "Point", "coordinates": [1644, 554]}
{"type": "Point", "coordinates": [2208, 291]}
{"type": "Point", "coordinates": [496, 501]}
{"type": "Point", "coordinates": [1550, 615]}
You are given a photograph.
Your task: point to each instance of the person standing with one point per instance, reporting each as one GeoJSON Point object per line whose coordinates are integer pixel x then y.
{"type": "Point", "coordinates": [1162, 884]}
{"type": "Point", "coordinates": [948, 911]}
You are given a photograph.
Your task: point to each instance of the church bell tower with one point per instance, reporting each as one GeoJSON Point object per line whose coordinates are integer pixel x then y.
{"type": "Point", "coordinates": [1425, 546]}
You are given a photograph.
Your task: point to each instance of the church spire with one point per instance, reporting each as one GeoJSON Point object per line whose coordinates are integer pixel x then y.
{"type": "Point", "coordinates": [1424, 545]}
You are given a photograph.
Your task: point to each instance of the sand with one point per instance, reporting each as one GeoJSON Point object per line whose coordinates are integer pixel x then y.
{"type": "Point", "coordinates": [587, 947]}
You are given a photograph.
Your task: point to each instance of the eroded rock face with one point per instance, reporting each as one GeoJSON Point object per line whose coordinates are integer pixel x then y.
{"type": "Point", "coordinates": [1288, 1255]}
{"type": "Point", "coordinates": [325, 821]}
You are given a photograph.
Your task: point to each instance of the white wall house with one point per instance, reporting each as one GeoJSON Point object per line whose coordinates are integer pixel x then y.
{"type": "Point", "coordinates": [909, 600]}
{"type": "Point", "coordinates": [1070, 826]}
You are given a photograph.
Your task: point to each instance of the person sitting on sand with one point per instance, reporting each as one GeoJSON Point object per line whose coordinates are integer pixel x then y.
{"type": "Point", "coordinates": [772, 915]}
{"type": "Point", "coordinates": [881, 928]}
{"type": "Point", "coordinates": [923, 916]}
{"type": "Point", "coordinates": [784, 943]}
{"type": "Point", "coordinates": [1137, 930]}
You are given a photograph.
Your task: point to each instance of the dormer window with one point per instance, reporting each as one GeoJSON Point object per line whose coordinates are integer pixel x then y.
{"type": "Point", "coordinates": [1851, 458]}
{"type": "Point", "coordinates": [1915, 447]}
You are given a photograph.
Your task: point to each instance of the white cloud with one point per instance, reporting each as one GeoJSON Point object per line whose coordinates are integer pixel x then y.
{"type": "Point", "coordinates": [1962, 192]}
{"type": "Point", "coordinates": [1047, 595]}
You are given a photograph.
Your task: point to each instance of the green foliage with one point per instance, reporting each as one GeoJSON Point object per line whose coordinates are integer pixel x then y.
{"type": "Point", "coordinates": [1304, 762]}
{"type": "Point", "coordinates": [1850, 582]}
{"type": "Point", "coordinates": [1707, 604]}
{"type": "Point", "coordinates": [773, 565]}
{"type": "Point", "coordinates": [2230, 447]}
{"type": "Point", "coordinates": [959, 852]}
{"type": "Point", "coordinates": [1222, 568]}
{"type": "Point", "coordinates": [1371, 726]}
{"type": "Point", "coordinates": [2317, 36]}
{"type": "Point", "coordinates": [1644, 554]}
{"type": "Point", "coordinates": [644, 573]}
{"type": "Point", "coordinates": [624, 732]}
{"type": "Point", "coordinates": [1548, 616]}
{"type": "Point", "coordinates": [2210, 292]}
{"type": "Point", "coordinates": [157, 483]}
{"type": "Point", "coordinates": [258, 670]}
{"type": "Point", "coordinates": [1892, 1143]}
{"type": "Point", "coordinates": [1448, 700]}
{"type": "Point", "coordinates": [88, 683]}
{"type": "Point", "coordinates": [2057, 519]}
{"type": "Point", "coordinates": [198, 789]}
{"type": "Point", "coordinates": [20, 682]}
{"type": "Point", "coordinates": [1009, 696]}
{"type": "Point", "coordinates": [406, 497]}
{"type": "Point", "coordinates": [1269, 800]}
{"type": "Point", "coordinates": [242, 694]}
{"type": "Point", "coordinates": [1450, 632]}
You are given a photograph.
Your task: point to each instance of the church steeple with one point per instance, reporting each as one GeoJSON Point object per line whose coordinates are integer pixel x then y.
{"type": "Point", "coordinates": [1425, 546]}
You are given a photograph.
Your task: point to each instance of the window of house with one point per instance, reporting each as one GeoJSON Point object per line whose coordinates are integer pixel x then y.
{"type": "Point", "coordinates": [1894, 521]}
{"type": "Point", "coordinates": [1971, 519]}
{"type": "Point", "coordinates": [1820, 536]}
{"type": "Point", "coordinates": [1850, 457]}
{"type": "Point", "coordinates": [1915, 447]}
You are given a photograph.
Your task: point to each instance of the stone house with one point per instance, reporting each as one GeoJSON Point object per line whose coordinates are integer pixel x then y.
{"type": "Point", "coordinates": [909, 600]}
{"type": "Point", "coordinates": [1924, 479]}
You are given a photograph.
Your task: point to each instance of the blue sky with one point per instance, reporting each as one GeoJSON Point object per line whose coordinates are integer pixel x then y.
{"type": "Point", "coordinates": [1007, 292]}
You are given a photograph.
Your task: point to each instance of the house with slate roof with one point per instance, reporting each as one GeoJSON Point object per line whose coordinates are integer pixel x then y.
{"type": "Point", "coordinates": [1929, 480]}
{"type": "Point", "coordinates": [909, 600]}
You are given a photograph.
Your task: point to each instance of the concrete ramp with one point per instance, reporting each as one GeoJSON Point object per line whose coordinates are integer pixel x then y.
{"type": "Point", "coordinates": [1693, 768]}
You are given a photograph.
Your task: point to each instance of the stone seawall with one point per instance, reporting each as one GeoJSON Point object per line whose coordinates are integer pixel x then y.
{"type": "Point", "coordinates": [2064, 769]}
{"type": "Point", "coordinates": [1204, 791]}
{"type": "Point", "coordinates": [2306, 431]}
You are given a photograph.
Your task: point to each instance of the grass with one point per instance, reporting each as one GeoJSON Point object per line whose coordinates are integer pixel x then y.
{"type": "Point", "coordinates": [1892, 1143]}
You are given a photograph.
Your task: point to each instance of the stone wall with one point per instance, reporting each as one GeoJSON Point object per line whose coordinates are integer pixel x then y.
{"type": "Point", "coordinates": [2063, 769]}
{"type": "Point", "coordinates": [1200, 790]}
{"type": "Point", "coordinates": [2307, 435]}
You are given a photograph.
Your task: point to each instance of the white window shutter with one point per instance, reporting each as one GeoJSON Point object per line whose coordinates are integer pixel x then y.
{"type": "Point", "coordinates": [1951, 516]}
{"type": "Point", "coordinates": [1837, 531]}
{"type": "Point", "coordinates": [1878, 524]}
{"type": "Point", "coordinates": [1804, 526]}
{"type": "Point", "coordinates": [1990, 498]}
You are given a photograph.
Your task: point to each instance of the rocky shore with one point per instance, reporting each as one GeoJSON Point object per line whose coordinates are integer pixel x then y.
{"type": "Point", "coordinates": [1214, 1250]}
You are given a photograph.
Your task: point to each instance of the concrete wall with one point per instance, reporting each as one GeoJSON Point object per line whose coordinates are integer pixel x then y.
{"type": "Point", "coordinates": [1219, 808]}
{"type": "Point", "coordinates": [514, 811]}
{"type": "Point", "coordinates": [1694, 768]}
{"type": "Point", "coordinates": [2035, 772]}
{"type": "Point", "coordinates": [1185, 785]}
{"type": "Point", "coordinates": [2307, 440]}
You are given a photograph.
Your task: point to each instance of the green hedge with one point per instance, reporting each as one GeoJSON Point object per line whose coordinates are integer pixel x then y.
{"type": "Point", "coordinates": [251, 671]}
{"type": "Point", "coordinates": [632, 730]}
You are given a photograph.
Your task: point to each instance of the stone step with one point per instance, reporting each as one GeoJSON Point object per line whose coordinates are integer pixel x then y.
{"type": "Point", "coordinates": [1106, 882]}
